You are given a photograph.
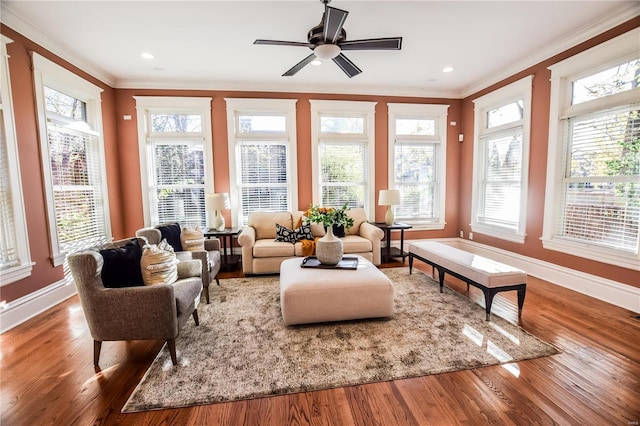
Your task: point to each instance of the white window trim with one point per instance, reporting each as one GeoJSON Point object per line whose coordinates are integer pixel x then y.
{"type": "Point", "coordinates": [593, 60]}
{"type": "Point", "coordinates": [286, 107]}
{"type": "Point", "coordinates": [368, 109]}
{"type": "Point", "coordinates": [23, 269]}
{"type": "Point", "coordinates": [521, 89]}
{"type": "Point", "coordinates": [47, 73]}
{"type": "Point", "coordinates": [439, 112]}
{"type": "Point", "coordinates": [175, 105]}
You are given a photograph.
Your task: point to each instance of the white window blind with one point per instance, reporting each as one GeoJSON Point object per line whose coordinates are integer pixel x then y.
{"type": "Point", "coordinates": [601, 186]}
{"type": "Point", "coordinates": [8, 241]}
{"type": "Point", "coordinates": [263, 176]}
{"type": "Point", "coordinates": [343, 173]}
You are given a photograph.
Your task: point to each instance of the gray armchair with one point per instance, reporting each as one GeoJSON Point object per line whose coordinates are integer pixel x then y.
{"type": "Point", "coordinates": [134, 313]}
{"type": "Point", "coordinates": [210, 256]}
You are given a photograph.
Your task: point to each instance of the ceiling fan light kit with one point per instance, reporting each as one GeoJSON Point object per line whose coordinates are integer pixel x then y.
{"type": "Point", "coordinates": [328, 39]}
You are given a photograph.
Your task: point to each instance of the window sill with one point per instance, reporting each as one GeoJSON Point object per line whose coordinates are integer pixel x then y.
{"type": "Point", "coordinates": [597, 253]}
{"type": "Point", "coordinates": [421, 226]}
{"type": "Point", "coordinates": [501, 233]}
{"type": "Point", "coordinates": [16, 273]}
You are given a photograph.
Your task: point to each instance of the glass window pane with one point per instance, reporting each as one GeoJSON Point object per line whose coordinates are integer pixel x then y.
{"type": "Point", "coordinates": [605, 83]}
{"type": "Point", "coordinates": [262, 123]}
{"type": "Point", "coordinates": [343, 125]}
{"type": "Point", "coordinates": [263, 163]}
{"type": "Point", "coordinates": [179, 164]}
{"type": "Point", "coordinates": [605, 145]}
{"type": "Point", "coordinates": [65, 105]}
{"type": "Point", "coordinates": [503, 156]}
{"type": "Point", "coordinates": [505, 114]}
{"type": "Point", "coordinates": [176, 123]}
{"type": "Point", "coordinates": [415, 126]}
{"type": "Point", "coordinates": [414, 163]}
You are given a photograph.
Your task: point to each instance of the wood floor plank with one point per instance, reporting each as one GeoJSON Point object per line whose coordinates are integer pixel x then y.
{"type": "Point", "coordinates": [47, 376]}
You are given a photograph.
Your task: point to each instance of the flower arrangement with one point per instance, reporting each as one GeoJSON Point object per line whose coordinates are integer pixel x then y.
{"type": "Point", "coordinates": [330, 216]}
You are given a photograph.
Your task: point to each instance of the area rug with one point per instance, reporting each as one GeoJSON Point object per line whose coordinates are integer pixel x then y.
{"type": "Point", "coordinates": [243, 350]}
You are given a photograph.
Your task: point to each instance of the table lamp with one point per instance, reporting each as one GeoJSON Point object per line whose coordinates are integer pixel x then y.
{"type": "Point", "coordinates": [389, 197]}
{"type": "Point", "coordinates": [218, 202]}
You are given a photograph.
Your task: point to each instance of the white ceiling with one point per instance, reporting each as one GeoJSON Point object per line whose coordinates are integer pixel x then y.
{"type": "Point", "coordinates": [209, 44]}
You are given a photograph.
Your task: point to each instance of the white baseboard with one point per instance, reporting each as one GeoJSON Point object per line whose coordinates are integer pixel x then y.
{"type": "Point", "coordinates": [619, 294]}
{"type": "Point", "coordinates": [27, 307]}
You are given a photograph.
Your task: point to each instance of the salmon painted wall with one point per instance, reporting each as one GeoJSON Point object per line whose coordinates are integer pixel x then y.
{"type": "Point", "coordinates": [130, 161]}
{"type": "Point", "coordinates": [537, 169]}
{"type": "Point", "coordinates": [43, 273]}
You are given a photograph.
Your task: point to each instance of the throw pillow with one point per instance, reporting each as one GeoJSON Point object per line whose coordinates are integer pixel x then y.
{"type": "Point", "coordinates": [192, 238]}
{"type": "Point", "coordinates": [121, 267]}
{"type": "Point", "coordinates": [285, 234]}
{"type": "Point", "coordinates": [303, 233]}
{"type": "Point", "coordinates": [171, 233]}
{"type": "Point", "coordinates": [159, 264]}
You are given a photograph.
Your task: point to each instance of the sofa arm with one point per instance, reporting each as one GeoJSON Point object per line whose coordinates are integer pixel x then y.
{"type": "Point", "coordinates": [373, 234]}
{"type": "Point", "coordinates": [152, 235]}
{"type": "Point", "coordinates": [247, 239]}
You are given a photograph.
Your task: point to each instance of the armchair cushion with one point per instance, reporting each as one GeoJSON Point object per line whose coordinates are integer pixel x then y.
{"type": "Point", "coordinates": [192, 238]}
{"type": "Point", "coordinates": [121, 266]}
{"type": "Point", "coordinates": [159, 264]}
{"type": "Point", "coordinates": [171, 233]}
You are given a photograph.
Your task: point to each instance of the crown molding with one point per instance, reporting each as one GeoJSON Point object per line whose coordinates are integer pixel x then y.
{"type": "Point", "coordinates": [596, 28]}
{"type": "Point", "coordinates": [26, 29]}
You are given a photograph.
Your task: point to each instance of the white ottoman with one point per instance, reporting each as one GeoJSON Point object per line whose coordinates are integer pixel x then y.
{"type": "Point", "coordinates": [309, 295]}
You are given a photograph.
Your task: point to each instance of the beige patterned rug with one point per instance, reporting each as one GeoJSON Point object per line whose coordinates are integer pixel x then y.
{"type": "Point", "coordinates": [243, 350]}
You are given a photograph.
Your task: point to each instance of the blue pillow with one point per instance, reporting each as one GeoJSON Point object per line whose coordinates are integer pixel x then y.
{"type": "Point", "coordinates": [171, 233]}
{"type": "Point", "coordinates": [121, 266]}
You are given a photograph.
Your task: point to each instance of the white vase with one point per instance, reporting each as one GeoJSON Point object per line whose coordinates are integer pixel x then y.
{"type": "Point", "coordinates": [329, 249]}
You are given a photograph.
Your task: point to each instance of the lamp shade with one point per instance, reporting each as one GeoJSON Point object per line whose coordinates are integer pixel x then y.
{"type": "Point", "coordinates": [389, 197]}
{"type": "Point", "coordinates": [218, 201]}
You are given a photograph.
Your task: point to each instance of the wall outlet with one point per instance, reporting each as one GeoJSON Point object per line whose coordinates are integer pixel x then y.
{"type": "Point", "coordinates": [471, 235]}
{"type": "Point", "coordinates": [461, 234]}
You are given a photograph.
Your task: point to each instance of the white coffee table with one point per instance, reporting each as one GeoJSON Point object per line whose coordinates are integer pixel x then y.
{"type": "Point", "coordinates": [311, 295]}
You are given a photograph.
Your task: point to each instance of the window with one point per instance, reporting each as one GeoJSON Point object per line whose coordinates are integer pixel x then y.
{"type": "Point", "coordinates": [15, 259]}
{"type": "Point", "coordinates": [342, 137]}
{"type": "Point", "coordinates": [501, 162]}
{"type": "Point", "coordinates": [174, 137]}
{"type": "Point", "coordinates": [417, 162]}
{"type": "Point", "coordinates": [73, 159]}
{"type": "Point", "coordinates": [592, 204]}
{"type": "Point", "coordinates": [262, 156]}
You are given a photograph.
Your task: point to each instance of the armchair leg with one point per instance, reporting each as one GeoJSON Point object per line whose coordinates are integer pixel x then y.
{"type": "Point", "coordinates": [171, 343]}
{"type": "Point", "coordinates": [206, 293]}
{"type": "Point", "coordinates": [97, 345]}
{"type": "Point", "coordinates": [195, 316]}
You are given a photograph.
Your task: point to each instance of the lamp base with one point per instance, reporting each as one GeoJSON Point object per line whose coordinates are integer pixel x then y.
{"type": "Point", "coordinates": [218, 222]}
{"type": "Point", "coordinates": [389, 217]}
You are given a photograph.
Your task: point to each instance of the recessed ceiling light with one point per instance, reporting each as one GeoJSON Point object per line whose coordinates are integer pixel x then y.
{"type": "Point", "coordinates": [316, 62]}
{"type": "Point", "coordinates": [447, 69]}
{"type": "Point", "coordinates": [146, 55]}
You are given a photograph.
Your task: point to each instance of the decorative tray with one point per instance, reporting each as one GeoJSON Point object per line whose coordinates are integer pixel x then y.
{"type": "Point", "coordinates": [347, 262]}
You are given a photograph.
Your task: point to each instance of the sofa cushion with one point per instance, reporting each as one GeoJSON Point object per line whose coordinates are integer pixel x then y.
{"type": "Point", "coordinates": [192, 238]}
{"type": "Point", "coordinates": [265, 223]}
{"type": "Point", "coordinates": [171, 233]}
{"type": "Point", "coordinates": [272, 248]}
{"type": "Point", "coordinates": [284, 234]}
{"type": "Point", "coordinates": [159, 264]}
{"type": "Point", "coordinates": [356, 244]}
{"type": "Point", "coordinates": [359, 216]}
{"type": "Point", "coordinates": [121, 266]}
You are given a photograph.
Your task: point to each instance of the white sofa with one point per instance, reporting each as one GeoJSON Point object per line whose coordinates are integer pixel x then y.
{"type": "Point", "coordinates": [262, 254]}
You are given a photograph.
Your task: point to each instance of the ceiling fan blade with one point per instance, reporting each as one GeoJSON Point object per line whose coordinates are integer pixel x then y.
{"type": "Point", "coordinates": [389, 43]}
{"type": "Point", "coordinates": [333, 22]}
{"type": "Point", "coordinates": [283, 43]}
{"type": "Point", "coordinates": [346, 65]}
{"type": "Point", "coordinates": [297, 67]}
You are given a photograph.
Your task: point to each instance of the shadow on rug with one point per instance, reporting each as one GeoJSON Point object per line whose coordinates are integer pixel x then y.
{"type": "Point", "coordinates": [243, 350]}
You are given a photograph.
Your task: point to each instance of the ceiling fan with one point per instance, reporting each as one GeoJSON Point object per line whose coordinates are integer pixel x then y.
{"type": "Point", "coordinates": [328, 40]}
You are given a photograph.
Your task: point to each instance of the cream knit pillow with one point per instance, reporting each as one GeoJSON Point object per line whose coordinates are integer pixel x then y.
{"type": "Point", "coordinates": [159, 264]}
{"type": "Point", "coordinates": [192, 238]}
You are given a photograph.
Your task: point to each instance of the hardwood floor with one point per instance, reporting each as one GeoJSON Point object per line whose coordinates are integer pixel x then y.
{"type": "Point", "coordinates": [47, 376]}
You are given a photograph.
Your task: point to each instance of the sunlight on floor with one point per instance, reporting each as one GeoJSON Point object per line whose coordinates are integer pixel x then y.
{"type": "Point", "coordinates": [505, 333]}
{"type": "Point", "coordinates": [492, 349]}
